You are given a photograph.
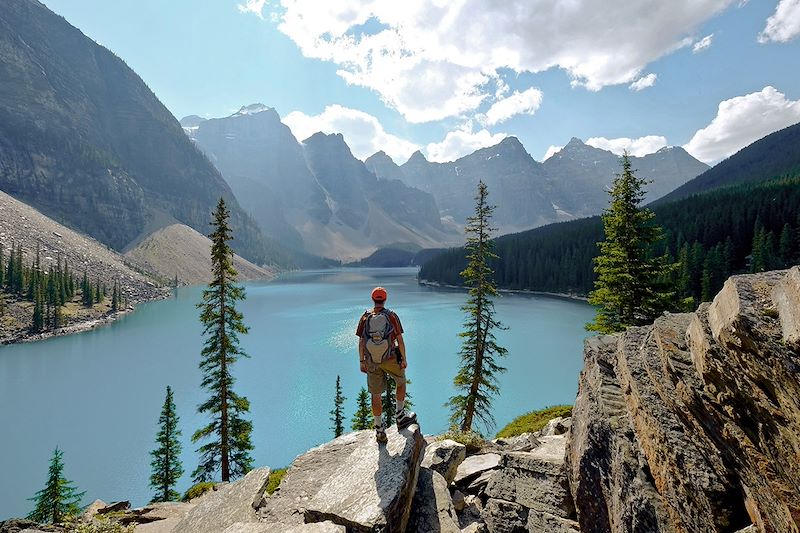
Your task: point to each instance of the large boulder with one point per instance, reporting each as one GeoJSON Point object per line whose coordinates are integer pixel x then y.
{"type": "Point", "coordinates": [444, 456]}
{"type": "Point", "coordinates": [475, 465]}
{"type": "Point", "coordinates": [432, 510]}
{"type": "Point", "coordinates": [352, 481]}
{"type": "Point", "coordinates": [693, 423]}
{"type": "Point", "coordinates": [530, 491]}
{"type": "Point", "coordinates": [229, 504]}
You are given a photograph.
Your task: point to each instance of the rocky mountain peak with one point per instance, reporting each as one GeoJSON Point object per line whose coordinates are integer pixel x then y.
{"type": "Point", "coordinates": [417, 158]}
{"type": "Point", "coordinates": [254, 109]}
{"type": "Point", "coordinates": [575, 143]}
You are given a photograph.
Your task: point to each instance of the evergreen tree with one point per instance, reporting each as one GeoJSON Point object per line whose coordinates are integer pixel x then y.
{"type": "Point", "coordinates": [38, 309]}
{"type": "Point", "coordinates": [229, 448]}
{"type": "Point", "coordinates": [479, 350]}
{"type": "Point", "coordinates": [166, 464]}
{"type": "Point", "coordinates": [362, 419]}
{"type": "Point", "coordinates": [337, 413]}
{"type": "Point", "coordinates": [115, 297]}
{"type": "Point", "coordinates": [627, 290]}
{"type": "Point", "coordinates": [785, 252]}
{"type": "Point", "coordinates": [59, 498]}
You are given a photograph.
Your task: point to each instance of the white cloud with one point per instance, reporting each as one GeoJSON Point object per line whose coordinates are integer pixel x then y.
{"type": "Point", "coordinates": [362, 132]}
{"type": "Point", "coordinates": [635, 147]}
{"type": "Point", "coordinates": [525, 102]}
{"type": "Point", "coordinates": [253, 6]}
{"type": "Point", "coordinates": [461, 142]}
{"type": "Point", "coordinates": [432, 59]}
{"type": "Point", "coordinates": [551, 151]}
{"type": "Point", "coordinates": [644, 82]}
{"type": "Point", "coordinates": [742, 120]}
{"type": "Point", "coordinates": [784, 24]}
{"type": "Point", "coordinates": [702, 44]}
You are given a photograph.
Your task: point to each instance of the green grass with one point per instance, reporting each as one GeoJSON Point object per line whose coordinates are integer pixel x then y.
{"type": "Point", "coordinates": [275, 478]}
{"type": "Point", "coordinates": [198, 490]}
{"type": "Point", "coordinates": [472, 440]}
{"type": "Point", "coordinates": [533, 421]}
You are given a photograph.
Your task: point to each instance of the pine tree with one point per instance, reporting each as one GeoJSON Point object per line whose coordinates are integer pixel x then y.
{"type": "Point", "coordinates": [337, 413]}
{"type": "Point", "coordinates": [115, 297]}
{"type": "Point", "coordinates": [479, 351]}
{"type": "Point", "coordinates": [627, 291]}
{"type": "Point", "coordinates": [59, 498]}
{"type": "Point", "coordinates": [37, 323]}
{"type": "Point", "coordinates": [166, 464]}
{"type": "Point", "coordinates": [362, 419]}
{"type": "Point", "coordinates": [229, 448]}
{"type": "Point", "coordinates": [785, 251]}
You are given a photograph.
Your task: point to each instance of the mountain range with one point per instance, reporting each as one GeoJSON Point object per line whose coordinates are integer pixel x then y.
{"type": "Point", "coordinates": [316, 196]}
{"type": "Point", "coordinates": [85, 141]}
{"type": "Point", "coordinates": [570, 184]}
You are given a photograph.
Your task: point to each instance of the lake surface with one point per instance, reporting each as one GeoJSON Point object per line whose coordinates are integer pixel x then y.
{"type": "Point", "coordinates": [97, 395]}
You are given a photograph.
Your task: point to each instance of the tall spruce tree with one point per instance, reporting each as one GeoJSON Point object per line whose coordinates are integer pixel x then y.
{"type": "Point", "coordinates": [628, 290]}
{"type": "Point", "coordinates": [337, 413]}
{"type": "Point", "coordinates": [59, 498]}
{"type": "Point", "coordinates": [476, 377]}
{"type": "Point", "coordinates": [166, 464]}
{"type": "Point", "coordinates": [228, 449]}
{"type": "Point", "coordinates": [362, 419]}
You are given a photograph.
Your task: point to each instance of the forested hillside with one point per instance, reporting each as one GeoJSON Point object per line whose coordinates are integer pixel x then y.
{"type": "Point", "coordinates": [745, 228]}
{"type": "Point", "coordinates": [774, 156]}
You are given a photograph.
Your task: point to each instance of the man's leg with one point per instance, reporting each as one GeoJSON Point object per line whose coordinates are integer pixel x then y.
{"type": "Point", "coordinates": [377, 409]}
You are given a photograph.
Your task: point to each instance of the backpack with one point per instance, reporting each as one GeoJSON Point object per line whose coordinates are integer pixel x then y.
{"type": "Point", "coordinates": [379, 331]}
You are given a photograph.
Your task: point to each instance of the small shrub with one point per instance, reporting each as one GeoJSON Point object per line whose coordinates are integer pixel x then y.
{"type": "Point", "coordinates": [533, 421]}
{"type": "Point", "coordinates": [198, 490]}
{"type": "Point", "coordinates": [770, 312]}
{"type": "Point", "coordinates": [472, 440]}
{"type": "Point", "coordinates": [75, 525]}
{"type": "Point", "coordinates": [275, 478]}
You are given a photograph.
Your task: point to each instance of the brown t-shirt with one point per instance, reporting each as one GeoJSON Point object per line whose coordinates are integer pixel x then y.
{"type": "Point", "coordinates": [393, 319]}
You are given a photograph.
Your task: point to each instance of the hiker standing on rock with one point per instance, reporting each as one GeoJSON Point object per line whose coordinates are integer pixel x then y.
{"type": "Point", "coordinates": [382, 355]}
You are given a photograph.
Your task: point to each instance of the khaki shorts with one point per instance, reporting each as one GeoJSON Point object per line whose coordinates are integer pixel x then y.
{"type": "Point", "coordinates": [376, 375]}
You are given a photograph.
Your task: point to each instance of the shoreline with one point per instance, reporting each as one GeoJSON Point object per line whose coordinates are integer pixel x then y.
{"type": "Point", "coordinates": [80, 326]}
{"type": "Point", "coordinates": [562, 295]}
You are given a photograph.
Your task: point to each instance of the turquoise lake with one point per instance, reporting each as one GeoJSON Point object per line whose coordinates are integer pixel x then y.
{"type": "Point", "coordinates": [97, 395]}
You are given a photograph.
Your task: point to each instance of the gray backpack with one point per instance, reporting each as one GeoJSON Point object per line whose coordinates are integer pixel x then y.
{"type": "Point", "coordinates": [379, 332]}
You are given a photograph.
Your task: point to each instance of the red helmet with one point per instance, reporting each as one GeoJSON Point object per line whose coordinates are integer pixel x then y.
{"type": "Point", "coordinates": [379, 294]}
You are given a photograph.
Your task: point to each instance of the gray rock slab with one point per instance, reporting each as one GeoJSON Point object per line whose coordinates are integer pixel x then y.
{"type": "Point", "coordinates": [444, 456]}
{"type": "Point", "coordinates": [505, 517]}
{"type": "Point", "coordinates": [536, 480]}
{"type": "Point", "coordinates": [474, 465]}
{"type": "Point", "coordinates": [432, 510]}
{"type": "Point", "coordinates": [546, 522]}
{"type": "Point", "coordinates": [353, 481]}
{"type": "Point", "coordinates": [228, 505]}
{"type": "Point", "coordinates": [317, 527]}
{"type": "Point", "coordinates": [92, 510]}
{"type": "Point", "coordinates": [519, 443]}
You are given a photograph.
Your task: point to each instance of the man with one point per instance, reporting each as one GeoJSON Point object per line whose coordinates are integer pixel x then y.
{"type": "Point", "coordinates": [382, 355]}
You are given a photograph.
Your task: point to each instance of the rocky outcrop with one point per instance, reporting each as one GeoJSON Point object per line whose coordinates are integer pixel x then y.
{"type": "Point", "coordinates": [351, 481]}
{"type": "Point", "coordinates": [444, 457]}
{"type": "Point", "coordinates": [693, 423]}
{"type": "Point", "coordinates": [228, 505]}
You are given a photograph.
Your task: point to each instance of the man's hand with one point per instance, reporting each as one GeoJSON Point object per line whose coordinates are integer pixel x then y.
{"type": "Point", "coordinates": [403, 363]}
{"type": "Point", "coordinates": [363, 366]}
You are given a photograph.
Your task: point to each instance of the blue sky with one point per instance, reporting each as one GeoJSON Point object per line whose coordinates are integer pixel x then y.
{"type": "Point", "coordinates": [451, 77]}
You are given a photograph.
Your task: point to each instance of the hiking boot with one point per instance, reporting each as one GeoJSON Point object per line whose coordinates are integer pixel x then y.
{"type": "Point", "coordinates": [405, 418]}
{"type": "Point", "coordinates": [380, 434]}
